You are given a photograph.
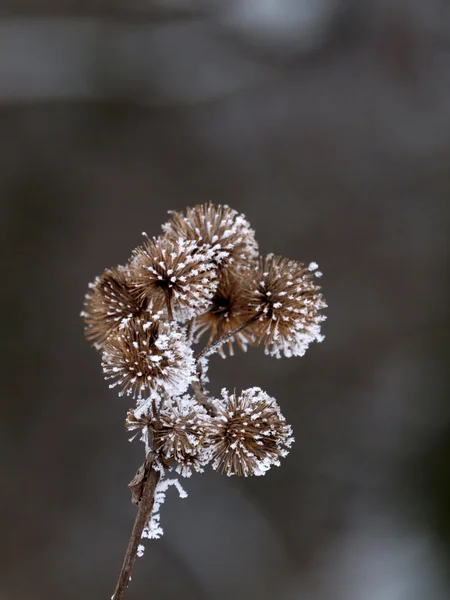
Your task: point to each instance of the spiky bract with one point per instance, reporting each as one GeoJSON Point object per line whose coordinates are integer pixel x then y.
{"type": "Point", "coordinates": [225, 314]}
{"type": "Point", "coordinates": [148, 356]}
{"type": "Point", "coordinates": [176, 274]}
{"type": "Point", "coordinates": [218, 228]}
{"type": "Point", "coordinates": [250, 433]}
{"type": "Point", "coordinates": [182, 429]}
{"type": "Point", "coordinates": [109, 301]}
{"type": "Point", "coordinates": [285, 302]}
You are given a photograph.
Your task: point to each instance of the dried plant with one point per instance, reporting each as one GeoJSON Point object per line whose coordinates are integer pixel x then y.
{"type": "Point", "coordinates": [227, 312]}
{"type": "Point", "coordinates": [203, 276]}
{"type": "Point", "coordinates": [249, 433]}
{"type": "Point", "coordinates": [181, 434]}
{"type": "Point", "coordinates": [149, 355]}
{"type": "Point", "coordinates": [219, 229]}
{"type": "Point", "coordinates": [109, 301]}
{"type": "Point", "coordinates": [285, 302]}
{"type": "Point", "coordinates": [176, 274]}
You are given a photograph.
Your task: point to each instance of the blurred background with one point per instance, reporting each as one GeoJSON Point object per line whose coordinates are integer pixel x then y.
{"type": "Point", "coordinates": [327, 122]}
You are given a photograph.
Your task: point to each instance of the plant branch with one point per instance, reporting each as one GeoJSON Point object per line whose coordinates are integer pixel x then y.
{"type": "Point", "coordinates": [189, 330]}
{"type": "Point", "coordinates": [143, 493]}
{"type": "Point", "coordinates": [202, 398]}
{"type": "Point", "coordinates": [208, 350]}
{"type": "Point", "coordinates": [169, 293]}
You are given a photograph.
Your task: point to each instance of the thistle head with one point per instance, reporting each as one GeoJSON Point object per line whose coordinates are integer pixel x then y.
{"type": "Point", "coordinates": [109, 301]}
{"type": "Point", "coordinates": [249, 434]}
{"type": "Point", "coordinates": [181, 433]}
{"type": "Point", "coordinates": [149, 355]}
{"type": "Point", "coordinates": [175, 274]}
{"type": "Point", "coordinates": [284, 300]}
{"type": "Point", "coordinates": [218, 228]}
{"type": "Point", "coordinates": [226, 313]}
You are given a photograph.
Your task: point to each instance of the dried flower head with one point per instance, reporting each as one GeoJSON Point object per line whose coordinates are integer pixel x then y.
{"type": "Point", "coordinates": [139, 419]}
{"type": "Point", "coordinates": [176, 274]}
{"type": "Point", "coordinates": [250, 433]}
{"type": "Point", "coordinates": [109, 301]}
{"type": "Point", "coordinates": [285, 301]}
{"type": "Point", "coordinates": [181, 432]}
{"type": "Point", "coordinates": [146, 356]}
{"type": "Point", "coordinates": [219, 228]}
{"type": "Point", "coordinates": [225, 314]}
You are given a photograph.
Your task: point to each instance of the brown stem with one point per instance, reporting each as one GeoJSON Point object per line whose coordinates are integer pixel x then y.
{"type": "Point", "coordinates": [199, 392]}
{"type": "Point", "coordinates": [189, 329]}
{"type": "Point", "coordinates": [216, 345]}
{"type": "Point", "coordinates": [170, 304]}
{"type": "Point", "coordinates": [149, 480]}
{"type": "Point", "coordinates": [202, 398]}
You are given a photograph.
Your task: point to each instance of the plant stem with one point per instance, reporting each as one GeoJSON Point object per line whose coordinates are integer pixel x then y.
{"type": "Point", "coordinates": [170, 304]}
{"type": "Point", "coordinates": [202, 398]}
{"type": "Point", "coordinates": [189, 330]}
{"type": "Point", "coordinates": [150, 480]}
{"type": "Point", "coordinates": [216, 345]}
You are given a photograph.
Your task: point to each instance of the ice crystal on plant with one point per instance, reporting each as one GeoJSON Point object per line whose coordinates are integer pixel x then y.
{"type": "Point", "coordinates": [154, 530]}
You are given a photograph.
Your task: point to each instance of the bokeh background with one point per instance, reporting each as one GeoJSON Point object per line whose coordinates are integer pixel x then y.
{"type": "Point", "coordinates": [327, 122]}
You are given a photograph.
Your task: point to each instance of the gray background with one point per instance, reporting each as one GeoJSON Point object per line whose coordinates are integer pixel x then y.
{"type": "Point", "coordinates": [328, 124]}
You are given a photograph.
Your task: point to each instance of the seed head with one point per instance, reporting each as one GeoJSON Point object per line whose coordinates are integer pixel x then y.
{"type": "Point", "coordinates": [218, 228]}
{"type": "Point", "coordinates": [141, 417]}
{"type": "Point", "coordinates": [250, 433]}
{"type": "Point", "coordinates": [227, 312]}
{"type": "Point", "coordinates": [181, 433]}
{"type": "Point", "coordinates": [175, 274]}
{"type": "Point", "coordinates": [109, 301]}
{"type": "Point", "coordinates": [145, 356]}
{"type": "Point", "coordinates": [285, 301]}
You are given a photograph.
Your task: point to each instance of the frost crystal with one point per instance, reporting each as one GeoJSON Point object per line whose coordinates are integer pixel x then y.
{"type": "Point", "coordinates": [154, 530]}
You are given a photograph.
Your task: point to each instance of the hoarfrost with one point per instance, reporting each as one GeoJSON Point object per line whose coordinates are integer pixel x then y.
{"type": "Point", "coordinates": [154, 530]}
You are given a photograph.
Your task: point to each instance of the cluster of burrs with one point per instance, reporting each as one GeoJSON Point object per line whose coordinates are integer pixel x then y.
{"type": "Point", "coordinates": [202, 279]}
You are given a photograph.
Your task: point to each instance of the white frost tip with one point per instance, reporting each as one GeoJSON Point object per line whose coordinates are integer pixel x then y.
{"type": "Point", "coordinates": [140, 550]}
{"type": "Point", "coordinates": [313, 266]}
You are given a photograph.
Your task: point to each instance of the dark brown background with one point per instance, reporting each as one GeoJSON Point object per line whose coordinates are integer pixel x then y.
{"type": "Point", "coordinates": [330, 130]}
